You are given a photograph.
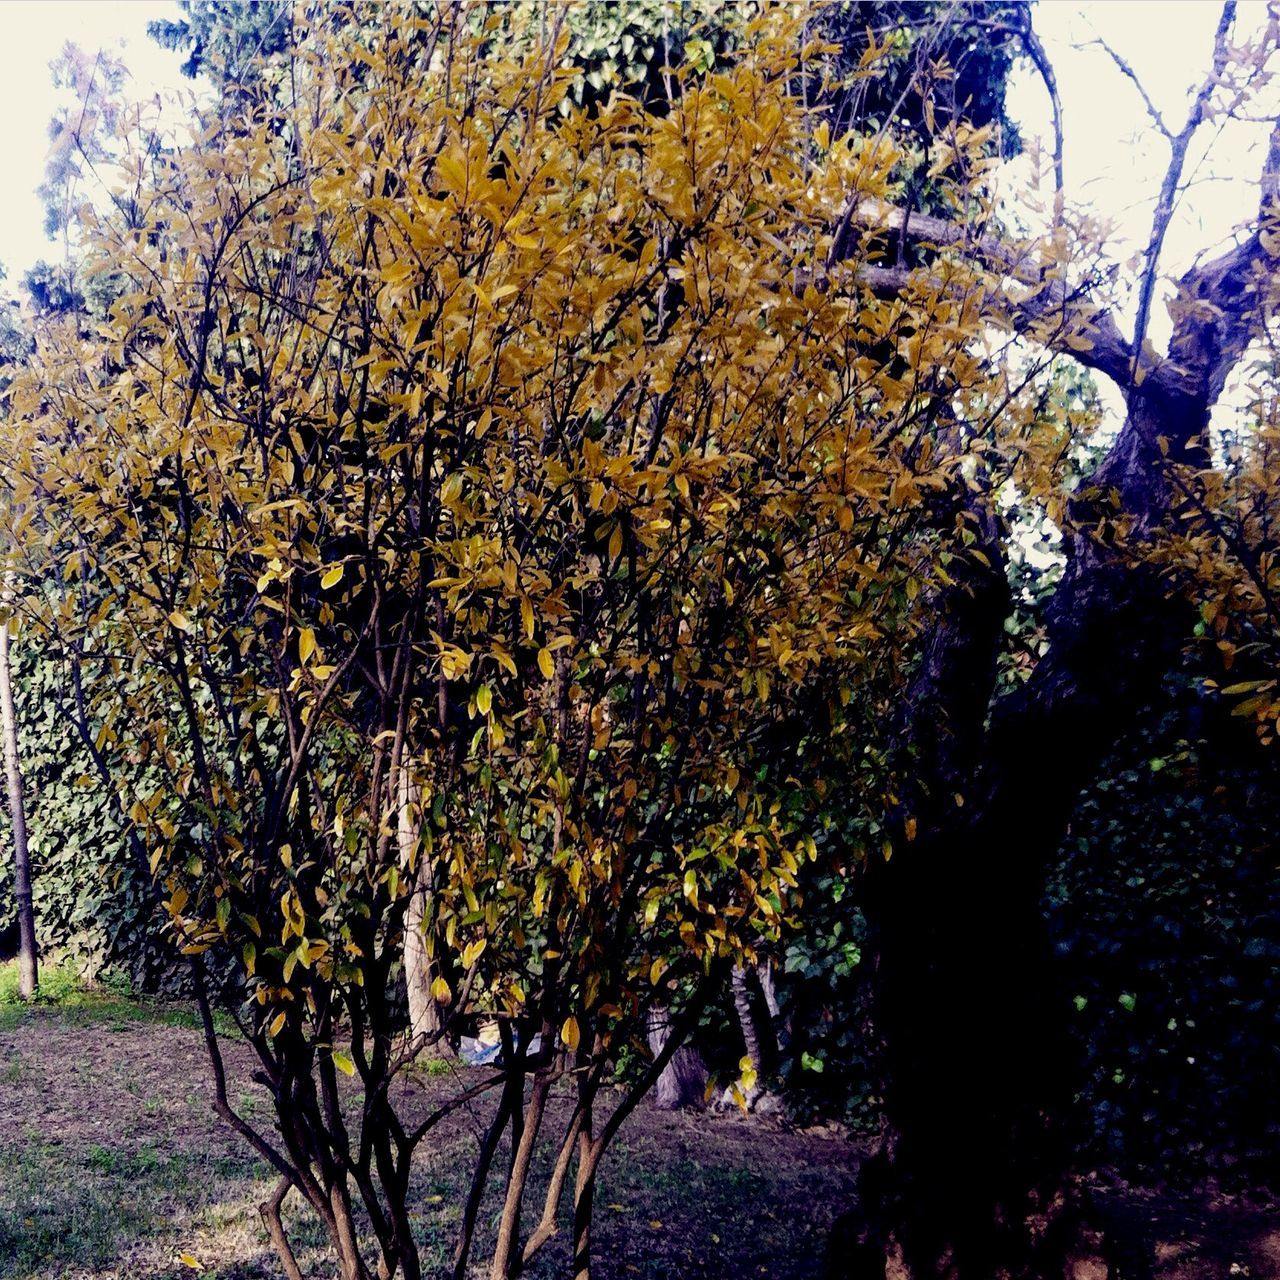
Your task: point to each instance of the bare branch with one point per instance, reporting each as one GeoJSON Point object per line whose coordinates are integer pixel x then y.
{"type": "Point", "coordinates": [1040, 58]}
{"type": "Point", "coordinates": [1127, 70]}
{"type": "Point", "coordinates": [1169, 187]}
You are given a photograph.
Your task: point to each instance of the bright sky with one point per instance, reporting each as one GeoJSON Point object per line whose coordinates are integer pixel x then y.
{"type": "Point", "coordinates": [32, 33]}
{"type": "Point", "coordinates": [1114, 159]}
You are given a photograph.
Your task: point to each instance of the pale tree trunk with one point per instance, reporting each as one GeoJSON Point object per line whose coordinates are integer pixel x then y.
{"type": "Point", "coordinates": [426, 1018]}
{"type": "Point", "coordinates": [683, 1082]}
{"type": "Point", "coordinates": [768, 989]}
{"type": "Point", "coordinates": [761, 1036]}
{"type": "Point", "coordinates": [747, 1023]}
{"type": "Point", "coordinates": [28, 972]}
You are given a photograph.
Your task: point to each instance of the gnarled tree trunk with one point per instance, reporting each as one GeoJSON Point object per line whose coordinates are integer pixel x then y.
{"type": "Point", "coordinates": [972, 1181]}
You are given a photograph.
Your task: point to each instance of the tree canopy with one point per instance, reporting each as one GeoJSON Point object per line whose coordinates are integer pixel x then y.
{"type": "Point", "coordinates": [514, 522]}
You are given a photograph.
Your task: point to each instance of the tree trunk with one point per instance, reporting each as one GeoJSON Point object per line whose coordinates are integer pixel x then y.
{"type": "Point", "coordinates": [28, 971]}
{"type": "Point", "coordinates": [420, 971]}
{"type": "Point", "coordinates": [683, 1082]}
{"type": "Point", "coordinates": [777, 1024]}
{"type": "Point", "coordinates": [973, 1177]}
{"type": "Point", "coordinates": [747, 1024]}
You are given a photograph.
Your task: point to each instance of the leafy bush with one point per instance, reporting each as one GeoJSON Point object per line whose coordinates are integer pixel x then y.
{"type": "Point", "coordinates": [1165, 907]}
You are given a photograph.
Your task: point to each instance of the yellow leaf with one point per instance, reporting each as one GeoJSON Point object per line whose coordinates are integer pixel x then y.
{"type": "Point", "coordinates": [189, 1260]}
{"type": "Point", "coordinates": [484, 699]}
{"type": "Point", "coordinates": [332, 578]}
{"type": "Point", "coordinates": [306, 644]}
{"type": "Point", "coordinates": [570, 1035]}
{"type": "Point", "coordinates": [440, 992]}
{"type": "Point", "coordinates": [545, 664]}
{"type": "Point", "coordinates": [180, 621]}
{"type": "Point", "coordinates": [276, 1023]}
{"type": "Point", "coordinates": [343, 1062]}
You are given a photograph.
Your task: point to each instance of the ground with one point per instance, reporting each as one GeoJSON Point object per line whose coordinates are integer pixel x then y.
{"type": "Point", "coordinates": [112, 1165]}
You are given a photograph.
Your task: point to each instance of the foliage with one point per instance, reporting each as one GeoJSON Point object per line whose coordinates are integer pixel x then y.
{"type": "Point", "coordinates": [228, 40]}
{"type": "Point", "coordinates": [462, 498]}
{"type": "Point", "coordinates": [1164, 905]}
{"type": "Point", "coordinates": [922, 69]}
{"type": "Point", "coordinates": [95, 905]}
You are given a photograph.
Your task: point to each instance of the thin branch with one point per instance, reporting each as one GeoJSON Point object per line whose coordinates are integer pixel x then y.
{"type": "Point", "coordinates": [1169, 187]}
{"type": "Point", "coordinates": [1130, 74]}
{"type": "Point", "coordinates": [1040, 58]}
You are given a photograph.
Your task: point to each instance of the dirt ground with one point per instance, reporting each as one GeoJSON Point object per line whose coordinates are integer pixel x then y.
{"type": "Point", "coordinates": [112, 1165]}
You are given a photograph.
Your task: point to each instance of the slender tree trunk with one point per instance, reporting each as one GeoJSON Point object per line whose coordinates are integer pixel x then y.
{"type": "Point", "coordinates": [28, 972]}
{"type": "Point", "coordinates": [420, 971]}
{"type": "Point", "coordinates": [584, 1193]}
{"type": "Point", "coordinates": [506, 1251]}
{"type": "Point", "coordinates": [746, 1020]}
{"type": "Point", "coordinates": [768, 989]}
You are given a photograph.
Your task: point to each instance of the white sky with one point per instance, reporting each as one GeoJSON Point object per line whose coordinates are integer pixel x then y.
{"type": "Point", "coordinates": [1114, 159]}
{"type": "Point", "coordinates": [32, 33]}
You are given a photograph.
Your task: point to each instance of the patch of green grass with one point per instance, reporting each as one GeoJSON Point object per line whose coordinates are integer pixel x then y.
{"type": "Point", "coordinates": [110, 1003]}
{"type": "Point", "coordinates": [56, 1216]}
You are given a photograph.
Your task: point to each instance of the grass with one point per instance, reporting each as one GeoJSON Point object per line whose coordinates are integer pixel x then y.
{"type": "Point", "coordinates": [109, 1002]}
{"type": "Point", "coordinates": [65, 1211]}
{"type": "Point", "coordinates": [112, 1166]}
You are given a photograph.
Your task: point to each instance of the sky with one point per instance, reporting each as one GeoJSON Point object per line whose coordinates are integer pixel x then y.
{"type": "Point", "coordinates": [32, 33]}
{"type": "Point", "coordinates": [1114, 159]}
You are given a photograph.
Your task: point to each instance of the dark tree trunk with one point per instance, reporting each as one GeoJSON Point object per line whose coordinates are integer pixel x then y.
{"type": "Point", "coordinates": [972, 1179]}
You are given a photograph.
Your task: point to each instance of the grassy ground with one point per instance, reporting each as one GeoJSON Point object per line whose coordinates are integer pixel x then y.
{"type": "Point", "coordinates": [113, 1167]}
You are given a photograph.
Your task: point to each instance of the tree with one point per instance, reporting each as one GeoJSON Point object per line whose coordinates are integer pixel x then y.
{"type": "Point", "coordinates": [972, 1180]}
{"type": "Point", "coordinates": [229, 42]}
{"type": "Point", "coordinates": [471, 496]}
{"type": "Point", "coordinates": [539, 509]}
{"type": "Point", "coordinates": [28, 964]}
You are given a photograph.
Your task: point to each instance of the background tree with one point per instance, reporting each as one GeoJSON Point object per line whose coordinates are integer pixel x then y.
{"type": "Point", "coordinates": [977, 1150]}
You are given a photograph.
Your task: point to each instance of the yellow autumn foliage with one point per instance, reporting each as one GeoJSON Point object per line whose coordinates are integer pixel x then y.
{"type": "Point", "coordinates": [552, 458]}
